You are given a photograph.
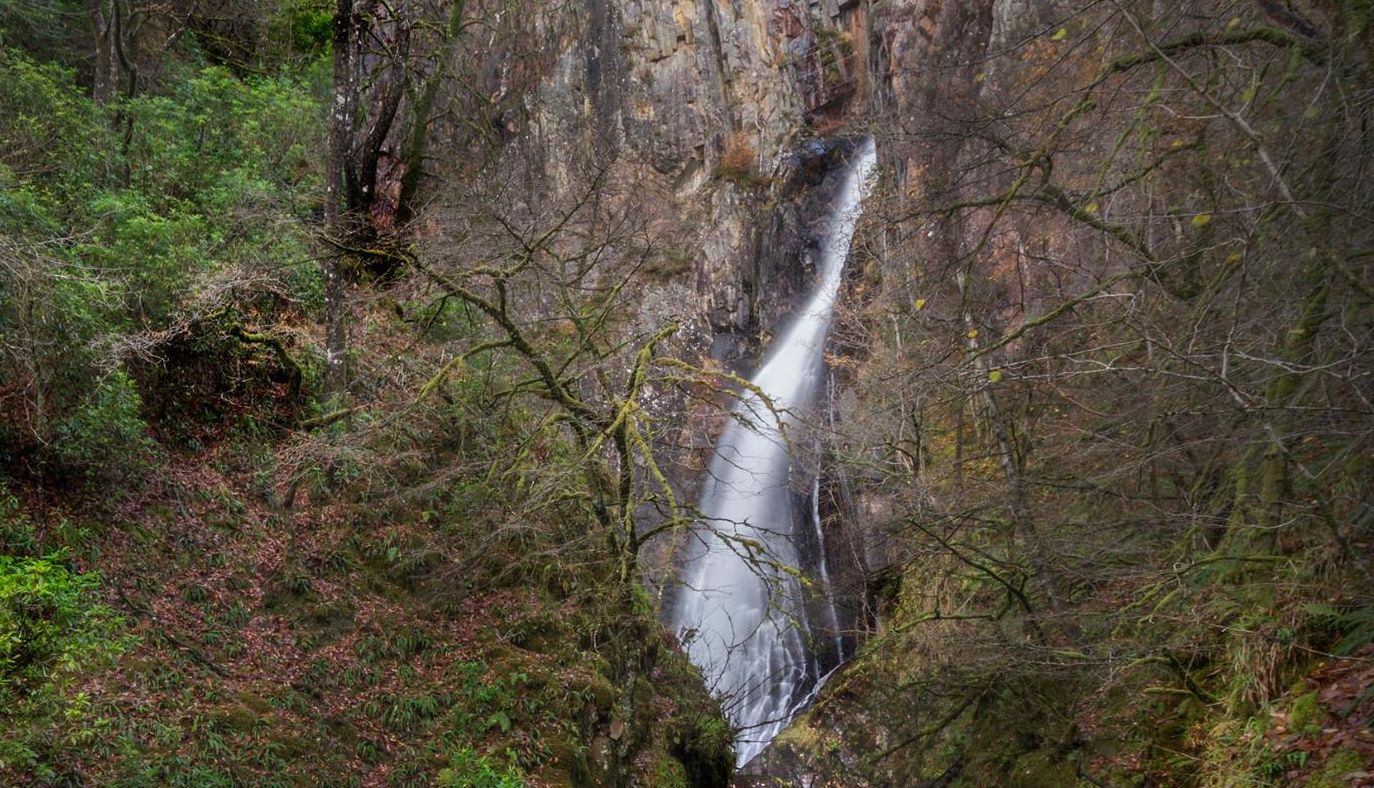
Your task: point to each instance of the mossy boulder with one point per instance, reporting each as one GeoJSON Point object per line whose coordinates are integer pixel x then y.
{"type": "Point", "coordinates": [1336, 770]}
{"type": "Point", "coordinates": [1306, 714]}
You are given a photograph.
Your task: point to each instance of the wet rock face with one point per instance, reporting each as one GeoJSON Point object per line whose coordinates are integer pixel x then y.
{"type": "Point", "coordinates": [707, 104]}
{"type": "Point", "coordinates": [671, 90]}
{"type": "Point", "coordinates": [788, 244]}
{"type": "Point", "coordinates": [697, 71]}
{"type": "Point", "coordinates": [680, 92]}
{"type": "Point", "coordinates": [667, 82]}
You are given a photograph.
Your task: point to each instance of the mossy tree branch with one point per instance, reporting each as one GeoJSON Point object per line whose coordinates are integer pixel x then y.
{"type": "Point", "coordinates": [278, 347]}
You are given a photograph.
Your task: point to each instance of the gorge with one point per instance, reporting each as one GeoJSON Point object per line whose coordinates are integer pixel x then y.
{"type": "Point", "coordinates": [497, 393]}
{"type": "Point", "coordinates": [742, 613]}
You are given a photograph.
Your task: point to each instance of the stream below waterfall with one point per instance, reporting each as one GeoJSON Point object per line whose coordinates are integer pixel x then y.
{"type": "Point", "coordinates": [743, 613]}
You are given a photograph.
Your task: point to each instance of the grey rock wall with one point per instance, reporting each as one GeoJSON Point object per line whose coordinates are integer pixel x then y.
{"type": "Point", "coordinates": [667, 87]}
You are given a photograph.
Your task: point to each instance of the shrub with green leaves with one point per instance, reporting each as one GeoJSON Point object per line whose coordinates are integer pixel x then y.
{"type": "Point", "coordinates": [105, 431]}
{"type": "Point", "coordinates": [52, 632]}
{"type": "Point", "coordinates": [122, 221]}
{"type": "Point", "coordinates": [51, 135]}
{"type": "Point", "coordinates": [467, 769]}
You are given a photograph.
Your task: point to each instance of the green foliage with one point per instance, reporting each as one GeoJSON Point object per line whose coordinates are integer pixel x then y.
{"type": "Point", "coordinates": [1355, 625]}
{"type": "Point", "coordinates": [51, 632]}
{"type": "Point", "coordinates": [467, 769]}
{"type": "Point", "coordinates": [37, 24]}
{"type": "Point", "coordinates": [51, 135]}
{"type": "Point", "coordinates": [105, 434]}
{"type": "Point", "coordinates": [215, 172]}
{"type": "Point", "coordinates": [311, 28]}
{"type": "Point", "coordinates": [194, 206]}
{"type": "Point", "coordinates": [406, 713]}
{"type": "Point", "coordinates": [153, 256]}
{"type": "Point", "coordinates": [488, 705]}
{"type": "Point", "coordinates": [219, 138]}
{"type": "Point", "coordinates": [55, 306]}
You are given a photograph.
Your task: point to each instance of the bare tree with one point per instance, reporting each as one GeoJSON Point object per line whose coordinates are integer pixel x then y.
{"type": "Point", "coordinates": [1124, 332]}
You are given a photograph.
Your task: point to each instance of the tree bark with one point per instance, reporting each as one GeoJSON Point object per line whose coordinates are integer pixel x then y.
{"type": "Point", "coordinates": [342, 109]}
{"type": "Point", "coordinates": [105, 82]}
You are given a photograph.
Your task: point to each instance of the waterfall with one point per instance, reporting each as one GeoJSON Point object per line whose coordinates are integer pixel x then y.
{"type": "Point", "coordinates": [741, 613]}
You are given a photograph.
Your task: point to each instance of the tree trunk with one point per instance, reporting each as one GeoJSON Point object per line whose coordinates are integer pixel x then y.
{"type": "Point", "coordinates": [342, 109]}
{"type": "Point", "coordinates": [105, 79]}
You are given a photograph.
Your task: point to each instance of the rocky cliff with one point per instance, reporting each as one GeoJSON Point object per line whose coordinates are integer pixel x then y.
{"type": "Point", "coordinates": [705, 107]}
{"type": "Point", "coordinates": [986, 106]}
{"type": "Point", "coordinates": [343, 462]}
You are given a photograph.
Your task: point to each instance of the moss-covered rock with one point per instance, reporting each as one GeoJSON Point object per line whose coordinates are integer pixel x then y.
{"type": "Point", "coordinates": [1335, 772]}
{"type": "Point", "coordinates": [1305, 714]}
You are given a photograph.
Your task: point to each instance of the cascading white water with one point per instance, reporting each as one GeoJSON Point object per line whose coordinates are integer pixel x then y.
{"type": "Point", "coordinates": [741, 613]}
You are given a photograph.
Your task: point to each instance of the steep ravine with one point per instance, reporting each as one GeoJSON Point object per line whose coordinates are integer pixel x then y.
{"type": "Point", "coordinates": [719, 112]}
{"type": "Point", "coordinates": [711, 108]}
{"type": "Point", "coordinates": [753, 630]}
{"type": "Point", "coordinates": [398, 489]}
